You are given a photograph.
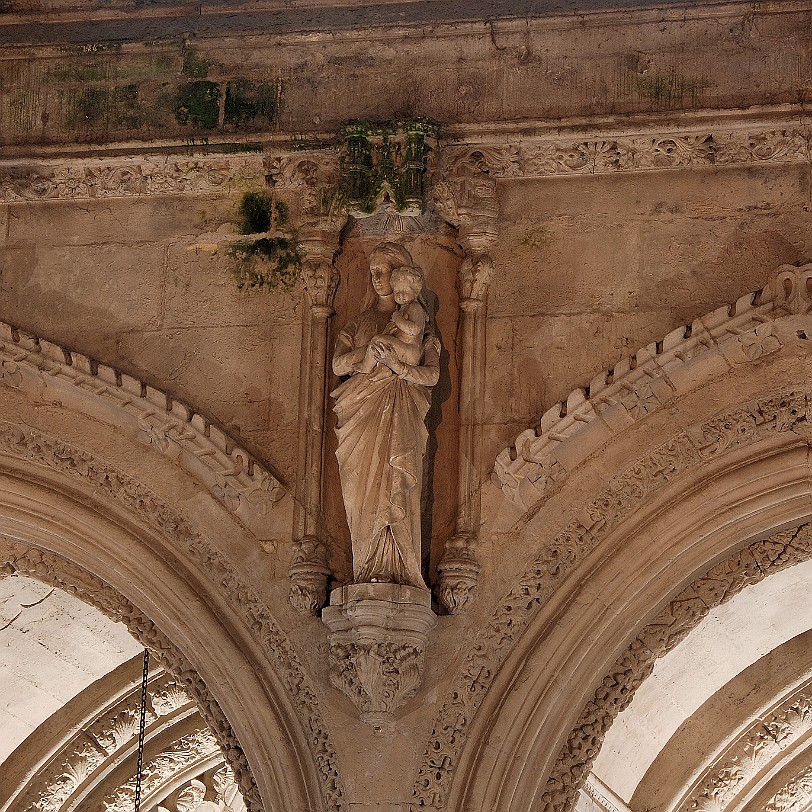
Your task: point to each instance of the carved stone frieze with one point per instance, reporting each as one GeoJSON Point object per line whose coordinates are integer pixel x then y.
{"type": "Point", "coordinates": [795, 796]}
{"type": "Point", "coordinates": [187, 752]}
{"type": "Point", "coordinates": [683, 613]}
{"type": "Point", "coordinates": [378, 636]}
{"type": "Point", "coordinates": [768, 737]}
{"type": "Point", "coordinates": [235, 477]}
{"type": "Point", "coordinates": [782, 412]}
{"type": "Point", "coordinates": [89, 178]}
{"type": "Point", "coordinates": [546, 156]}
{"type": "Point", "coordinates": [312, 178]}
{"type": "Point", "coordinates": [33, 446]}
{"type": "Point", "coordinates": [644, 382]}
{"type": "Point", "coordinates": [103, 740]}
{"type": "Point", "coordinates": [309, 172]}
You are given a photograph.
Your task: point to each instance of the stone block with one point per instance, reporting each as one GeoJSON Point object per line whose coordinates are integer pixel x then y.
{"type": "Point", "coordinates": [553, 267]}
{"type": "Point", "coordinates": [225, 369]}
{"type": "Point", "coordinates": [201, 291]}
{"type": "Point", "coordinates": [67, 291]}
{"type": "Point", "coordinates": [111, 220]}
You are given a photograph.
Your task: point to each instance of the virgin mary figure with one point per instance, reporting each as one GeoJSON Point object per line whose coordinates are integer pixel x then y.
{"type": "Point", "coordinates": [381, 429]}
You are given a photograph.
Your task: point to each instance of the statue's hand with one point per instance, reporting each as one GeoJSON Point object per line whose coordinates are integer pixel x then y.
{"type": "Point", "coordinates": [383, 352]}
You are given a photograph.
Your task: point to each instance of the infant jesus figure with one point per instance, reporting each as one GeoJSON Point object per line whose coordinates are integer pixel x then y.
{"type": "Point", "coordinates": [404, 333]}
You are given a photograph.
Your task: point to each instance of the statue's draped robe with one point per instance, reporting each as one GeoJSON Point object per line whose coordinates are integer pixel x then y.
{"type": "Point", "coordinates": [381, 442]}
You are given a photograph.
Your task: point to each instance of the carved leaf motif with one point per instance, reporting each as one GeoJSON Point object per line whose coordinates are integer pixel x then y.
{"type": "Point", "coordinates": [191, 797]}
{"type": "Point", "coordinates": [781, 412]}
{"type": "Point", "coordinates": [760, 342]}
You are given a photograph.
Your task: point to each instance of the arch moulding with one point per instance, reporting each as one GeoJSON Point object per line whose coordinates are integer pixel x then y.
{"type": "Point", "coordinates": [76, 522]}
{"type": "Point", "coordinates": [751, 453]}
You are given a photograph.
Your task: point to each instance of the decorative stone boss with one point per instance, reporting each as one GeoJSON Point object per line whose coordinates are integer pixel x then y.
{"type": "Point", "coordinates": [390, 358]}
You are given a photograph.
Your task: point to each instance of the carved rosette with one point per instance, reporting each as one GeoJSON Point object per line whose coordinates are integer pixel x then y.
{"type": "Point", "coordinates": [378, 635]}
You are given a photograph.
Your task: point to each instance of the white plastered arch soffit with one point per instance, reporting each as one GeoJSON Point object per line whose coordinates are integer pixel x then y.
{"type": "Point", "coordinates": [685, 455]}
{"type": "Point", "coordinates": [62, 499]}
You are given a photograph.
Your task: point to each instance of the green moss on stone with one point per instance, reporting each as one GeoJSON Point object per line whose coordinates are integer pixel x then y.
{"type": "Point", "coordinates": [198, 104]}
{"type": "Point", "coordinates": [255, 212]}
{"type": "Point", "coordinates": [251, 103]}
{"type": "Point", "coordinates": [670, 88]}
{"type": "Point", "coordinates": [268, 262]}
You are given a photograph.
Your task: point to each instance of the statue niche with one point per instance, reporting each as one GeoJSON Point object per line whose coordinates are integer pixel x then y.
{"type": "Point", "coordinates": [392, 358]}
{"type": "Point", "coordinates": [389, 359]}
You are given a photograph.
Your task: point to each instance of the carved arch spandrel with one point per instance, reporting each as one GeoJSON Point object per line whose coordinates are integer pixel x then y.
{"type": "Point", "coordinates": [771, 427]}
{"type": "Point", "coordinates": [247, 487]}
{"type": "Point", "coordinates": [761, 341]}
{"type": "Point", "coordinates": [542, 656]}
{"type": "Point", "coordinates": [654, 378]}
{"type": "Point", "coordinates": [66, 502]}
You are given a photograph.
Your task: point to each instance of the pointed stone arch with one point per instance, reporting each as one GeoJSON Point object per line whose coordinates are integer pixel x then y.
{"type": "Point", "coordinates": [725, 406]}
{"type": "Point", "coordinates": [246, 486]}
{"type": "Point", "coordinates": [76, 521]}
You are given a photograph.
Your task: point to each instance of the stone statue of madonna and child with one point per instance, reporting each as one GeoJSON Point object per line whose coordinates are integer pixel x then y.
{"type": "Point", "coordinates": [389, 358]}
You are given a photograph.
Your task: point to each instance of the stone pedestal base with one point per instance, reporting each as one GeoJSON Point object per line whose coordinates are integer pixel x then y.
{"type": "Point", "coordinates": [377, 638]}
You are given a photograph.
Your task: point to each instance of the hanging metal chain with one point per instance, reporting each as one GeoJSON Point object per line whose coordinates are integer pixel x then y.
{"type": "Point", "coordinates": [141, 727]}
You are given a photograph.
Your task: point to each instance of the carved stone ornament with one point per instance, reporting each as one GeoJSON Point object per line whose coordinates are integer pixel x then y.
{"type": "Point", "coordinates": [770, 737]}
{"type": "Point", "coordinates": [41, 449]}
{"type": "Point", "coordinates": [381, 161]}
{"type": "Point", "coordinates": [785, 411]}
{"type": "Point", "coordinates": [308, 575]}
{"type": "Point", "coordinates": [754, 143]}
{"type": "Point", "coordinates": [458, 573]}
{"type": "Point", "coordinates": [378, 635]}
{"type": "Point", "coordinates": [794, 796]}
{"type": "Point", "coordinates": [742, 333]}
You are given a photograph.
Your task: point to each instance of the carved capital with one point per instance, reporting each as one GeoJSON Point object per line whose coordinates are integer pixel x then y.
{"type": "Point", "coordinates": [308, 575]}
{"type": "Point", "coordinates": [318, 245]}
{"type": "Point", "coordinates": [378, 635]}
{"type": "Point", "coordinates": [458, 573]}
{"type": "Point", "coordinates": [467, 199]}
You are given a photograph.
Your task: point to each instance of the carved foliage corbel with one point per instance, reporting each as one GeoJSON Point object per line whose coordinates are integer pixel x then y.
{"type": "Point", "coordinates": [468, 200]}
